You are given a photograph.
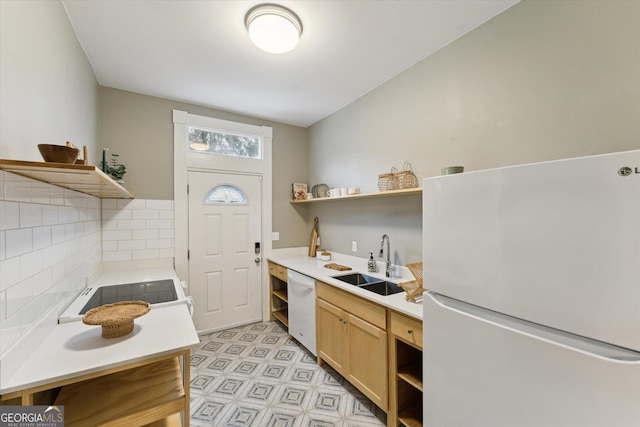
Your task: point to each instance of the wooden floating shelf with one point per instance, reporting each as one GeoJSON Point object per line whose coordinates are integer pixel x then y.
{"type": "Point", "coordinates": [390, 193]}
{"type": "Point", "coordinates": [83, 178]}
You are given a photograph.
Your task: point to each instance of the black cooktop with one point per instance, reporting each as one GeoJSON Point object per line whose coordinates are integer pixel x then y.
{"type": "Point", "coordinates": [154, 292]}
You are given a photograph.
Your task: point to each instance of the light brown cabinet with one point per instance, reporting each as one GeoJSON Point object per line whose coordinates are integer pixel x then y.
{"type": "Point", "coordinates": [278, 297]}
{"type": "Point", "coordinates": [405, 371]}
{"type": "Point", "coordinates": [352, 338]}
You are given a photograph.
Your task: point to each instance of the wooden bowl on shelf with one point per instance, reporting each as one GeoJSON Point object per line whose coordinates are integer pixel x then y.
{"type": "Point", "coordinates": [58, 153]}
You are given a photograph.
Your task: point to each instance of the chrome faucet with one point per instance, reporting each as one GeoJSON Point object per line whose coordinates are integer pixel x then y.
{"type": "Point", "coordinates": [388, 267]}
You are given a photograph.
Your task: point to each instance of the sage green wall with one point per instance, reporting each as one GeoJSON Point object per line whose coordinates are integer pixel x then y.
{"type": "Point", "coordinates": [543, 80]}
{"type": "Point", "coordinates": [49, 93]}
{"type": "Point", "coordinates": [139, 128]}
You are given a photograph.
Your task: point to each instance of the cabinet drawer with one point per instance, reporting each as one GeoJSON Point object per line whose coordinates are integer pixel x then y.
{"type": "Point", "coordinates": [272, 268]}
{"type": "Point", "coordinates": [360, 307]}
{"type": "Point", "coordinates": [281, 272]}
{"type": "Point", "coordinates": [407, 329]}
{"type": "Point", "coordinates": [278, 271]}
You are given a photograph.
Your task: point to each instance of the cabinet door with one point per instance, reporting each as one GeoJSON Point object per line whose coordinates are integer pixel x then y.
{"type": "Point", "coordinates": [368, 360]}
{"type": "Point", "coordinates": [331, 331]}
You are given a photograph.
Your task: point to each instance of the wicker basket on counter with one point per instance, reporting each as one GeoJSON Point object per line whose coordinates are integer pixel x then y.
{"type": "Point", "coordinates": [406, 177]}
{"type": "Point", "coordinates": [388, 181]}
{"type": "Point", "coordinates": [116, 319]}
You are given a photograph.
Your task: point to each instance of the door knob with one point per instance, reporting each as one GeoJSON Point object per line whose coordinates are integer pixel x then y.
{"type": "Point", "coordinates": [258, 260]}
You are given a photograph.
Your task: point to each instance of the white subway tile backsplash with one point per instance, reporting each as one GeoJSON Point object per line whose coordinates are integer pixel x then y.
{"type": "Point", "coordinates": [49, 215]}
{"type": "Point", "coordinates": [109, 245]}
{"type": "Point", "coordinates": [68, 214]}
{"type": "Point", "coordinates": [9, 272]}
{"type": "Point", "coordinates": [30, 215]}
{"type": "Point", "coordinates": [3, 306]}
{"type": "Point", "coordinates": [145, 214]}
{"type": "Point", "coordinates": [165, 234]}
{"type": "Point", "coordinates": [30, 263]}
{"type": "Point", "coordinates": [57, 273]}
{"type": "Point", "coordinates": [17, 188]}
{"type": "Point", "coordinates": [131, 204]}
{"type": "Point", "coordinates": [41, 237]}
{"type": "Point", "coordinates": [145, 254]}
{"type": "Point", "coordinates": [116, 256]}
{"type": "Point", "coordinates": [18, 296]}
{"type": "Point", "coordinates": [110, 224]}
{"type": "Point", "coordinates": [159, 243]}
{"type": "Point", "coordinates": [131, 224]}
{"type": "Point", "coordinates": [116, 235]}
{"type": "Point", "coordinates": [150, 223]}
{"type": "Point", "coordinates": [42, 282]}
{"type": "Point", "coordinates": [58, 234]}
{"type": "Point", "coordinates": [145, 234]}
{"type": "Point", "coordinates": [160, 224]}
{"type": "Point", "coordinates": [41, 193]}
{"type": "Point", "coordinates": [9, 215]}
{"type": "Point", "coordinates": [164, 214]}
{"type": "Point", "coordinates": [127, 245]}
{"type": "Point", "coordinates": [51, 239]}
{"type": "Point", "coordinates": [112, 214]}
{"type": "Point", "coordinates": [19, 241]}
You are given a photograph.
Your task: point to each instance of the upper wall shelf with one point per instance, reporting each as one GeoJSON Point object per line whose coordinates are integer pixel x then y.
{"type": "Point", "coordinates": [82, 178]}
{"type": "Point", "coordinates": [403, 192]}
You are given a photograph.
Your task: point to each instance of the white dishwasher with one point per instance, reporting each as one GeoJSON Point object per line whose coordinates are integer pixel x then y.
{"type": "Point", "coordinates": [301, 292]}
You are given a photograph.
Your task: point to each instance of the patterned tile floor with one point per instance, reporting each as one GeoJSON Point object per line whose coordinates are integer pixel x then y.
{"type": "Point", "coordinates": [255, 375]}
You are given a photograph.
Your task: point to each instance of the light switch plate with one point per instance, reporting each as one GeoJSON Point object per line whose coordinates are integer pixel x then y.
{"type": "Point", "coordinates": [354, 246]}
{"type": "Point", "coordinates": [275, 235]}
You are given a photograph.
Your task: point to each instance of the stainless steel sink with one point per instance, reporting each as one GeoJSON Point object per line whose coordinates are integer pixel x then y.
{"type": "Point", "coordinates": [369, 283]}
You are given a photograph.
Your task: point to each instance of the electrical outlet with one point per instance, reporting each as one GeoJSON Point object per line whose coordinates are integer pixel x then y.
{"type": "Point", "coordinates": [354, 246]}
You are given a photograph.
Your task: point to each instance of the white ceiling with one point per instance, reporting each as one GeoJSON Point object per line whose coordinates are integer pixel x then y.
{"type": "Point", "coordinates": [199, 51]}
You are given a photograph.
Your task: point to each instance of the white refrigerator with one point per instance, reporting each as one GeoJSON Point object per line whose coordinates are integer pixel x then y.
{"type": "Point", "coordinates": [532, 318]}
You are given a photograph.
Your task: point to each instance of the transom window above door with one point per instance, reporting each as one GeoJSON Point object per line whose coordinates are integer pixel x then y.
{"type": "Point", "coordinates": [210, 141]}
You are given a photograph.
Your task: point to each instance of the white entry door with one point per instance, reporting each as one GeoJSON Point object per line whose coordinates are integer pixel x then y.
{"type": "Point", "coordinates": [224, 269]}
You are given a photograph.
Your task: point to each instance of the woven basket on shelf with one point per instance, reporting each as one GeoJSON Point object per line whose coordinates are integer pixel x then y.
{"type": "Point", "coordinates": [406, 177]}
{"type": "Point", "coordinates": [116, 319]}
{"type": "Point", "coordinates": [388, 181]}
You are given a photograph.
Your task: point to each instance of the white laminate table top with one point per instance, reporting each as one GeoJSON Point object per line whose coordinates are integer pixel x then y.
{"type": "Point", "coordinates": [74, 349]}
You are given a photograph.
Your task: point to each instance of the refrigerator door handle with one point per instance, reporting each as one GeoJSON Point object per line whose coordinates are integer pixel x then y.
{"type": "Point", "coordinates": [587, 346]}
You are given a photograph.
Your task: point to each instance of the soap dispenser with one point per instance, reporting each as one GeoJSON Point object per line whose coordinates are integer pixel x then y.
{"type": "Point", "coordinates": [372, 263]}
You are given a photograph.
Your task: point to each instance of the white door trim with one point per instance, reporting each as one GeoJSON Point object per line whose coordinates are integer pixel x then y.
{"type": "Point", "coordinates": [181, 121]}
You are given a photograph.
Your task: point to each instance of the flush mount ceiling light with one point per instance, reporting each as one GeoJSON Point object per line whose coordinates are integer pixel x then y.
{"type": "Point", "coordinates": [273, 28]}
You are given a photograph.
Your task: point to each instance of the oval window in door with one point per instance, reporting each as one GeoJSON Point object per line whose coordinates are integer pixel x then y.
{"type": "Point", "coordinates": [226, 195]}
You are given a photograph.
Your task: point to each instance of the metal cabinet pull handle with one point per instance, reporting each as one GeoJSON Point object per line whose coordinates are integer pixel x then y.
{"type": "Point", "coordinates": [410, 331]}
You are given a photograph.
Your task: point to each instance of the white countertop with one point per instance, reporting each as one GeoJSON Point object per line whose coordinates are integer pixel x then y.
{"type": "Point", "coordinates": [315, 268]}
{"type": "Point", "coordinates": [74, 349]}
